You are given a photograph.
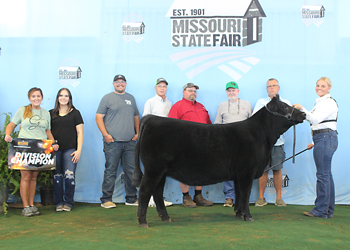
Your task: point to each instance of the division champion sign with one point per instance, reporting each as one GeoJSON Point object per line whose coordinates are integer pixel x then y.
{"type": "Point", "coordinates": [31, 154]}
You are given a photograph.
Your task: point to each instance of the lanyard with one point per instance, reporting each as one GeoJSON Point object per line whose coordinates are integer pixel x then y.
{"type": "Point", "coordinates": [228, 106]}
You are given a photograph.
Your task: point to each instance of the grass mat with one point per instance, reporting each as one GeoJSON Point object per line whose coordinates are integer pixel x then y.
{"type": "Point", "coordinates": [88, 226]}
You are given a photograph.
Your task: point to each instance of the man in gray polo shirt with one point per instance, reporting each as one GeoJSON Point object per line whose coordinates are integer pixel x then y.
{"type": "Point", "coordinates": [117, 118]}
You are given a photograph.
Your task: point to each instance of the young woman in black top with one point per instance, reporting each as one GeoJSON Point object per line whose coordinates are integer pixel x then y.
{"type": "Point", "coordinates": [67, 128]}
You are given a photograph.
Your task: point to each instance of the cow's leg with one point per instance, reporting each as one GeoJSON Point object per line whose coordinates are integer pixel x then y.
{"type": "Point", "coordinates": [144, 196]}
{"type": "Point", "coordinates": [158, 199]}
{"type": "Point", "coordinates": [245, 185]}
{"type": "Point", "coordinates": [149, 183]}
{"type": "Point", "coordinates": [238, 201]}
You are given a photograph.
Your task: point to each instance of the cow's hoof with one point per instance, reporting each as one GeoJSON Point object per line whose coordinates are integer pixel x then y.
{"type": "Point", "coordinates": [144, 225]}
{"type": "Point", "coordinates": [239, 216]}
{"type": "Point", "coordinates": [248, 219]}
{"type": "Point", "coordinates": [167, 220]}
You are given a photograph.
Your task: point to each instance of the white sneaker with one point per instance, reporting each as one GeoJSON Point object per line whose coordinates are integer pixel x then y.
{"type": "Point", "coordinates": [168, 203]}
{"type": "Point", "coordinates": [153, 204]}
{"type": "Point", "coordinates": [136, 203]}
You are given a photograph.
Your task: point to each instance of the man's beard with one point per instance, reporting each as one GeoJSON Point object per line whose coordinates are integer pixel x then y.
{"type": "Point", "coordinates": [233, 99]}
{"type": "Point", "coordinates": [192, 98]}
{"type": "Point", "coordinates": [120, 91]}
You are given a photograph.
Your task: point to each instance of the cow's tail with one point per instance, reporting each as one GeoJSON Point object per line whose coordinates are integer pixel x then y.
{"type": "Point", "coordinates": [137, 176]}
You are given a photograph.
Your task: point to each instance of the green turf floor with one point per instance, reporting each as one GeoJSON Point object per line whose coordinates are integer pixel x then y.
{"type": "Point", "coordinates": [88, 226]}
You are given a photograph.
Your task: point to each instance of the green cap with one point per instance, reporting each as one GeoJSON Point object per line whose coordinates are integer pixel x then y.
{"type": "Point", "coordinates": [232, 85]}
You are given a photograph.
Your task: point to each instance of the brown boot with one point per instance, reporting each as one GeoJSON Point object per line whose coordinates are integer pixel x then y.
{"type": "Point", "coordinates": [188, 202]}
{"type": "Point", "coordinates": [200, 201]}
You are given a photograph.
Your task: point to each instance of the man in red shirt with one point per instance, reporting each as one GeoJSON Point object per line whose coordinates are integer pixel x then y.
{"type": "Point", "coordinates": [189, 110]}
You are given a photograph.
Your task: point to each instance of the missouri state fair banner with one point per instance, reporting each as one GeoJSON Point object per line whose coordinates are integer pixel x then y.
{"type": "Point", "coordinates": [31, 154]}
{"type": "Point", "coordinates": [199, 23]}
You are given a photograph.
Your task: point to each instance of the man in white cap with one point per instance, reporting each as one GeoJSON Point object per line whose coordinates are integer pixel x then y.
{"type": "Point", "coordinates": [189, 109]}
{"type": "Point", "coordinates": [158, 105]}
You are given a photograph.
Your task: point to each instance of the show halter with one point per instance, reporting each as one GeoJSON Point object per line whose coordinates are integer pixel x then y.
{"type": "Point", "coordinates": [289, 117]}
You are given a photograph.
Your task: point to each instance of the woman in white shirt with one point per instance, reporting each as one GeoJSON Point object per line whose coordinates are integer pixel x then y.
{"type": "Point", "coordinates": [323, 121]}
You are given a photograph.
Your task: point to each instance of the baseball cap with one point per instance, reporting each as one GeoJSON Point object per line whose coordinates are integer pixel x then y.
{"type": "Point", "coordinates": [159, 80]}
{"type": "Point", "coordinates": [190, 85]}
{"type": "Point", "coordinates": [119, 77]}
{"type": "Point", "coordinates": [232, 85]}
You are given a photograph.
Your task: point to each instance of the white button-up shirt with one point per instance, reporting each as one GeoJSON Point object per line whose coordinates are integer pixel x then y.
{"type": "Point", "coordinates": [325, 109]}
{"type": "Point", "coordinates": [157, 106]}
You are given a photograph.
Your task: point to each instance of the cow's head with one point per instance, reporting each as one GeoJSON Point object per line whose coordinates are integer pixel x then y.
{"type": "Point", "coordinates": [281, 109]}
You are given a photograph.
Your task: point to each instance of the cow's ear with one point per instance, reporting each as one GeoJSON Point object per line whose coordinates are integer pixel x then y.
{"type": "Point", "coordinates": [272, 105]}
{"type": "Point", "coordinates": [275, 99]}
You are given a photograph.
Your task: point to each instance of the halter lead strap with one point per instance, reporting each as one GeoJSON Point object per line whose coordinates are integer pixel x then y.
{"type": "Point", "coordinates": [289, 117]}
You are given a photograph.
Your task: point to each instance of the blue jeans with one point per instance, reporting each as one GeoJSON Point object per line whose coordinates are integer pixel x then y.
{"type": "Point", "coordinates": [229, 190]}
{"type": "Point", "coordinates": [114, 153]}
{"type": "Point", "coordinates": [64, 167]}
{"type": "Point", "coordinates": [325, 146]}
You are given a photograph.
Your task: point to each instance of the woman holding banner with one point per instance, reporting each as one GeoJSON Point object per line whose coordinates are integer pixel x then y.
{"type": "Point", "coordinates": [323, 120]}
{"type": "Point", "coordinates": [35, 124]}
{"type": "Point", "coordinates": [67, 128]}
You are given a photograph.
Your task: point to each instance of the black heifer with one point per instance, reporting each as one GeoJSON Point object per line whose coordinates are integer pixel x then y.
{"type": "Point", "coordinates": [202, 154]}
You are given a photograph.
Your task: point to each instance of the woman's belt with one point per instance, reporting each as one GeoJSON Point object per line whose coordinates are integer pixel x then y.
{"type": "Point", "coordinates": [315, 132]}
